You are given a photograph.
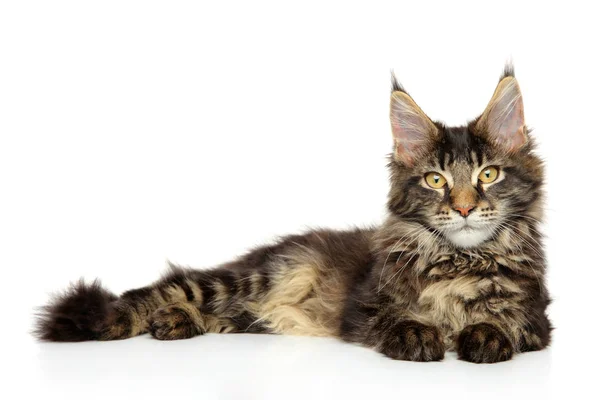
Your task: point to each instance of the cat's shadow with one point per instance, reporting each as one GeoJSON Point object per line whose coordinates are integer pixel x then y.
{"type": "Point", "coordinates": [263, 364]}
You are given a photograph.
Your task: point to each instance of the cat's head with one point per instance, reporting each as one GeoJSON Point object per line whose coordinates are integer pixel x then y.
{"type": "Point", "coordinates": [465, 183]}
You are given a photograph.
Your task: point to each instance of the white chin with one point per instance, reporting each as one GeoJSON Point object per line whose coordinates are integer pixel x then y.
{"type": "Point", "coordinates": [468, 237]}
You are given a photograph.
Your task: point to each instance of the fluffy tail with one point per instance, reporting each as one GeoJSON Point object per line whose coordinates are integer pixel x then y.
{"type": "Point", "coordinates": [90, 312]}
{"type": "Point", "coordinates": [228, 295]}
{"type": "Point", "coordinates": [80, 313]}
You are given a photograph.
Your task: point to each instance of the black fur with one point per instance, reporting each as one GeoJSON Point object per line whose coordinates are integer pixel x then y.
{"type": "Point", "coordinates": [509, 70]}
{"type": "Point", "coordinates": [78, 314]}
{"type": "Point", "coordinates": [397, 86]}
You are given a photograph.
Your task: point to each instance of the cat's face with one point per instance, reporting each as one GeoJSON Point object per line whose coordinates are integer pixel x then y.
{"type": "Point", "coordinates": [464, 183]}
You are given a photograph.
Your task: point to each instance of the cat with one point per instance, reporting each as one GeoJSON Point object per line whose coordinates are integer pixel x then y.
{"type": "Point", "coordinates": [457, 265]}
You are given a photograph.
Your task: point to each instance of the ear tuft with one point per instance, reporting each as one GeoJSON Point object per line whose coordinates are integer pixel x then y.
{"type": "Point", "coordinates": [397, 86]}
{"type": "Point", "coordinates": [413, 131]}
{"type": "Point", "coordinates": [503, 120]}
{"type": "Point", "coordinates": [509, 71]}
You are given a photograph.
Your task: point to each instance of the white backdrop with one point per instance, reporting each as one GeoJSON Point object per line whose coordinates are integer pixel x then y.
{"type": "Point", "coordinates": [135, 132]}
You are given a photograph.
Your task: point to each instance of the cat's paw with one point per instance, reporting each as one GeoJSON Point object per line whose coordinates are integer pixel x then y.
{"type": "Point", "coordinates": [483, 343]}
{"type": "Point", "coordinates": [413, 341]}
{"type": "Point", "coordinates": [176, 321]}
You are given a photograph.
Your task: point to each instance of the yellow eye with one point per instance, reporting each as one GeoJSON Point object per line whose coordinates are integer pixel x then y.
{"type": "Point", "coordinates": [435, 180]}
{"type": "Point", "coordinates": [489, 175]}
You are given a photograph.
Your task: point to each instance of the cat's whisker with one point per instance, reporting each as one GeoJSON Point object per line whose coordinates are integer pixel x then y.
{"type": "Point", "coordinates": [417, 235]}
{"type": "Point", "coordinates": [519, 235]}
{"type": "Point", "coordinates": [407, 263]}
{"type": "Point", "coordinates": [393, 249]}
{"type": "Point", "coordinates": [526, 217]}
{"type": "Point", "coordinates": [518, 245]}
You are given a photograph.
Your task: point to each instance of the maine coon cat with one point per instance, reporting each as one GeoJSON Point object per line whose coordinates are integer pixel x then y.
{"type": "Point", "coordinates": [457, 264]}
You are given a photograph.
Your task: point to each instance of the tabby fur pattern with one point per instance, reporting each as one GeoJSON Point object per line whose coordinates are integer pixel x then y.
{"type": "Point", "coordinates": [457, 268]}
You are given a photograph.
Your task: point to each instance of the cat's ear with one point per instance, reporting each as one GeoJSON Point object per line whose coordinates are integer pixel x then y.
{"type": "Point", "coordinates": [503, 121]}
{"type": "Point", "coordinates": [413, 131]}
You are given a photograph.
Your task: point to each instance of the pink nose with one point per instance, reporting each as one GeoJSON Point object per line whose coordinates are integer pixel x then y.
{"type": "Point", "coordinates": [464, 211]}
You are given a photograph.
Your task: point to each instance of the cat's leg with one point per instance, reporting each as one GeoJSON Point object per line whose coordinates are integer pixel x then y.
{"type": "Point", "coordinates": [216, 301]}
{"type": "Point", "coordinates": [90, 312]}
{"type": "Point", "coordinates": [394, 334]}
{"type": "Point", "coordinates": [207, 301]}
{"type": "Point", "coordinates": [483, 343]}
{"type": "Point", "coordinates": [404, 339]}
{"type": "Point", "coordinates": [497, 340]}
{"type": "Point", "coordinates": [295, 286]}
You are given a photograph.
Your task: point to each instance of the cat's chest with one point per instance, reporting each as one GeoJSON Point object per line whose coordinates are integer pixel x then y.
{"type": "Point", "coordinates": [460, 290]}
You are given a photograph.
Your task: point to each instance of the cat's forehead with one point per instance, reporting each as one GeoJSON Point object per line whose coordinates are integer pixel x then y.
{"type": "Point", "coordinates": [459, 145]}
{"type": "Point", "coordinates": [458, 149]}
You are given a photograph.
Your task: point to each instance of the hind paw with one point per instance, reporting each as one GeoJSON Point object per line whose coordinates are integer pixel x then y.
{"type": "Point", "coordinates": [176, 321]}
{"type": "Point", "coordinates": [123, 322]}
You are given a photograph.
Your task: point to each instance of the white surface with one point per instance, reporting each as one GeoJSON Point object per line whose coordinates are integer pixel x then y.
{"type": "Point", "coordinates": [272, 367]}
{"type": "Point", "coordinates": [133, 132]}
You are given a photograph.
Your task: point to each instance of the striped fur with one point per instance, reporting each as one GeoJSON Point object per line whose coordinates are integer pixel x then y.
{"type": "Point", "coordinates": [412, 288]}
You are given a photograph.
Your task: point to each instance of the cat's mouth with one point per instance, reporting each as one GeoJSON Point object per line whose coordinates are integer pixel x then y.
{"type": "Point", "coordinates": [468, 235]}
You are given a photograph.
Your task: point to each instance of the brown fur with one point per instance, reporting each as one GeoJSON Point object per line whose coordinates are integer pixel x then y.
{"type": "Point", "coordinates": [411, 288]}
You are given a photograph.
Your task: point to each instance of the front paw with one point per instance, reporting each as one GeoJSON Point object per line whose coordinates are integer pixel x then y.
{"type": "Point", "coordinates": [412, 341]}
{"type": "Point", "coordinates": [483, 343]}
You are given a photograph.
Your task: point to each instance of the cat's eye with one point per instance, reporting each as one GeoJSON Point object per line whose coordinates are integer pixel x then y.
{"type": "Point", "coordinates": [489, 175]}
{"type": "Point", "coordinates": [435, 180]}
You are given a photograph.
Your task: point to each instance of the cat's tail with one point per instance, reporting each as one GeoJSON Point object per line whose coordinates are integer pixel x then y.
{"type": "Point", "coordinates": [80, 313]}
{"type": "Point", "coordinates": [229, 293]}
{"type": "Point", "coordinates": [90, 312]}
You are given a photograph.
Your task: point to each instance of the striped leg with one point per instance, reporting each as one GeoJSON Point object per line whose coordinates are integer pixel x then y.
{"type": "Point", "coordinates": [295, 287]}
{"type": "Point", "coordinates": [187, 303]}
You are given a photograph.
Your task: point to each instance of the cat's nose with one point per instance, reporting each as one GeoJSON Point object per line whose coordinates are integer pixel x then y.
{"type": "Point", "coordinates": [464, 210]}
